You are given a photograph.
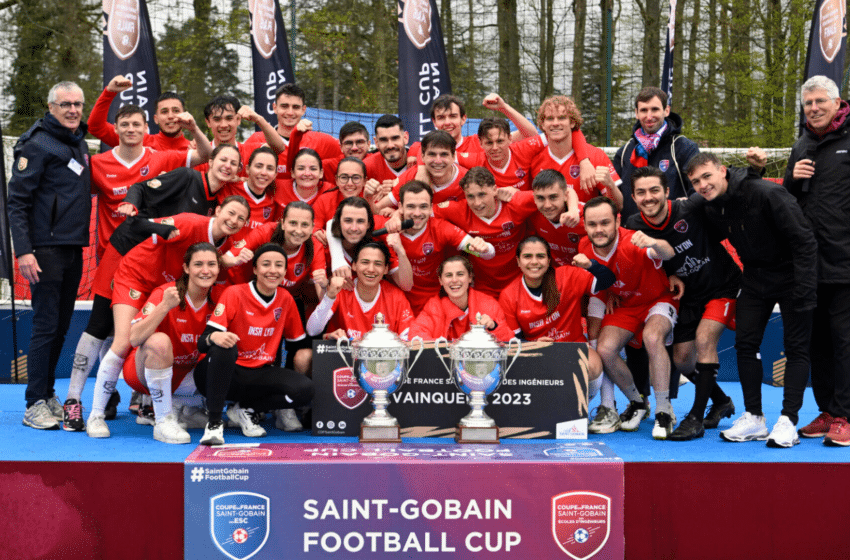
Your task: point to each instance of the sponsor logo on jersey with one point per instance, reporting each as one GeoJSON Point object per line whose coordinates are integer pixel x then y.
{"type": "Point", "coordinates": [263, 26]}
{"type": "Point", "coordinates": [146, 310]}
{"type": "Point", "coordinates": [416, 20]}
{"type": "Point", "coordinates": [239, 523]}
{"type": "Point", "coordinates": [347, 391]}
{"type": "Point", "coordinates": [575, 171]}
{"type": "Point", "coordinates": [281, 169]}
{"type": "Point", "coordinates": [122, 28]}
{"type": "Point", "coordinates": [581, 523]}
{"type": "Point", "coordinates": [427, 248]}
{"type": "Point", "coordinates": [144, 171]}
{"type": "Point", "coordinates": [118, 191]}
{"type": "Point", "coordinates": [681, 226]}
{"type": "Point", "coordinates": [277, 313]}
{"type": "Point", "coordinates": [135, 294]}
{"type": "Point", "coordinates": [154, 183]}
{"type": "Point", "coordinates": [299, 268]}
{"type": "Point", "coordinates": [664, 164]}
{"type": "Point", "coordinates": [219, 310]}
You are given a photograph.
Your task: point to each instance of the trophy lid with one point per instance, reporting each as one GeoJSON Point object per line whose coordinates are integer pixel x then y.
{"type": "Point", "coordinates": [477, 338]}
{"type": "Point", "coordinates": [381, 337]}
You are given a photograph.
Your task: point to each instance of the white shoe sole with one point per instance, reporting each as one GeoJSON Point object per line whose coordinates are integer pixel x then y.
{"type": "Point", "coordinates": [159, 437]}
{"type": "Point", "coordinates": [741, 439]}
{"type": "Point", "coordinates": [782, 445]}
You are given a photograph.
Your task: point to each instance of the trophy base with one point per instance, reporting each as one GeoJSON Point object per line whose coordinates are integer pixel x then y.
{"type": "Point", "coordinates": [380, 434]}
{"type": "Point", "coordinates": [466, 434]}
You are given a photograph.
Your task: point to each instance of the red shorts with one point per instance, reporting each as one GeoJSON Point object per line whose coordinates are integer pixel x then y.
{"type": "Point", "coordinates": [633, 318]}
{"type": "Point", "coordinates": [129, 292]}
{"type": "Point", "coordinates": [102, 284]}
{"type": "Point", "coordinates": [721, 310]}
{"type": "Point", "coordinates": [131, 375]}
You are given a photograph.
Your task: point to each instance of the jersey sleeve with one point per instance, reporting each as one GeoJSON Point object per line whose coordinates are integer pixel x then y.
{"type": "Point", "coordinates": [97, 123]}
{"type": "Point", "coordinates": [580, 145]}
{"type": "Point", "coordinates": [403, 179]}
{"type": "Point", "coordinates": [523, 203]}
{"type": "Point", "coordinates": [225, 310]}
{"type": "Point", "coordinates": [153, 300]}
{"type": "Point", "coordinates": [527, 149]}
{"type": "Point", "coordinates": [471, 159]}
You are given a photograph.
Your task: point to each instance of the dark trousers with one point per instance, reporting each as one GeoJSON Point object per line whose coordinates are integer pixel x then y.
{"type": "Point", "coordinates": [753, 313]}
{"type": "Point", "coordinates": [831, 349]}
{"type": "Point", "coordinates": [53, 298]}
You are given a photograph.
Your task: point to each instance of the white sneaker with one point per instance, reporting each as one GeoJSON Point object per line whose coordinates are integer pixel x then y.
{"type": "Point", "coordinates": [606, 421]}
{"type": "Point", "coordinates": [247, 420]}
{"type": "Point", "coordinates": [191, 417]}
{"type": "Point", "coordinates": [631, 418]}
{"type": "Point", "coordinates": [287, 420]}
{"type": "Point", "coordinates": [213, 434]}
{"type": "Point", "coordinates": [96, 426]}
{"type": "Point", "coordinates": [784, 433]}
{"type": "Point", "coordinates": [664, 425]}
{"type": "Point", "coordinates": [40, 416]}
{"type": "Point", "coordinates": [746, 428]}
{"type": "Point", "coordinates": [168, 431]}
{"type": "Point", "coordinates": [56, 408]}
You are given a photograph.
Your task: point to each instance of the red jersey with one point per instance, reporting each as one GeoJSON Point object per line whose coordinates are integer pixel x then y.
{"type": "Point", "coordinates": [469, 144]}
{"type": "Point", "coordinates": [517, 170]}
{"type": "Point", "coordinates": [329, 167]}
{"type": "Point", "coordinates": [356, 316]}
{"type": "Point", "coordinates": [504, 230]}
{"type": "Point", "coordinates": [260, 326]}
{"type": "Point", "coordinates": [105, 132]}
{"type": "Point", "coordinates": [563, 241]}
{"type": "Point", "coordinates": [441, 317]}
{"type": "Point", "coordinates": [377, 168]}
{"type": "Point", "coordinates": [448, 191]}
{"type": "Point", "coordinates": [326, 145]}
{"type": "Point", "coordinates": [528, 313]}
{"type": "Point", "coordinates": [569, 167]}
{"type": "Point", "coordinates": [425, 250]}
{"type": "Point", "coordinates": [111, 176]}
{"type": "Point", "coordinates": [264, 209]}
{"type": "Point", "coordinates": [640, 278]}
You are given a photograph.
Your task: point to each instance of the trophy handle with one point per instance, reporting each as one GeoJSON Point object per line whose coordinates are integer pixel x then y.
{"type": "Point", "coordinates": [516, 353]}
{"type": "Point", "coordinates": [437, 350]}
{"type": "Point", "coordinates": [421, 348]}
{"type": "Point", "coordinates": [339, 342]}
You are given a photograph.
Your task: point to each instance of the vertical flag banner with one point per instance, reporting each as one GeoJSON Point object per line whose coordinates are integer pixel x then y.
{"type": "Point", "coordinates": [667, 72]}
{"type": "Point", "coordinates": [128, 49]}
{"type": "Point", "coordinates": [423, 73]}
{"type": "Point", "coordinates": [6, 266]}
{"type": "Point", "coordinates": [269, 53]}
{"type": "Point", "coordinates": [827, 41]}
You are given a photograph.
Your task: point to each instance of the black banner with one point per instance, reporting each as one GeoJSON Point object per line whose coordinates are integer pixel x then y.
{"type": "Point", "coordinates": [128, 49]}
{"type": "Point", "coordinates": [667, 72]}
{"type": "Point", "coordinates": [270, 55]}
{"type": "Point", "coordinates": [423, 73]}
{"type": "Point", "coordinates": [544, 395]}
{"type": "Point", "coordinates": [6, 267]}
{"type": "Point", "coordinates": [827, 41]}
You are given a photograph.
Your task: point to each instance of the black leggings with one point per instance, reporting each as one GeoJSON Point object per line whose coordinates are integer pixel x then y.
{"type": "Point", "coordinates": [101, 320]}
{"type": "Point", "coordinates": [264, 388]}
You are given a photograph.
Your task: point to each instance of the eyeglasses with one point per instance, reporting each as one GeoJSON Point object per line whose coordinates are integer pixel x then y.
{"type": "Point", "coordinates": [343, 179]}
{"type": "Point", "coordinates": [66, 105]}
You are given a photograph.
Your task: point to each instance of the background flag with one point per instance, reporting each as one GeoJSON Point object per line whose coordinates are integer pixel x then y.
{"type": "Point", "coordinates": [270, 55]}
{"type": "Point", "coordinates": [423, 73]}
{"type": "Point", "coordinates": [667, 72]}
{"type": "Point", "coordinates": [827, 44]}
{"type": "Point", "coordinates": [128, 49]}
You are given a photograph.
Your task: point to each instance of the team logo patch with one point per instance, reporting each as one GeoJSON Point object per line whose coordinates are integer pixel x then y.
{"type": "Point", "coordinates": [575, 171]}
{"type": "Point", "coordinates": [581, 523]}
{"type": "Point", "coordinates": [299, 268]}
{"type": "Point", "coordinates": [573, 237]}
{"type": "Point", "coordinates": [416, 19]}
{"type": "Point", "coordinates": [219, 310]}
{"type": "Point", "coordinates": [267, 212]}
{"type": "Point", "coordinates": [146, 310]}
{"type": "Point", "coordinates": [154, 183]}
{"type": "Point", "coordinates": [239, 523]}
{"type": "Point", "coordinates": [122, 27]}
{"type": "Point", "coordinates": [347, 391]}
{"type": "Point", "coordinates": [22, 163]}
{"type": "Point", "coordinates": [664, 164]}
{"type": "Point", "coordinates": [681, 226]}
{"type": "Point", "coordinates": [508, 226]}
{"type": "Point", "coordinates": [144, 171]}
{"type": "Point", "coordinates": [832, 30]}
{"type": "Point", "coordinates": [263, 26]}
{"type": "Point", "coordinates": [239, 244]}
{"type": "Point", "coordinates": [277, 313]}
{"type": "Point", "coordinates": [520, 173]}
{"type": "Point", "coordinates": [427, 248]}
{"type": "Point", "coordinates": [135, 294]}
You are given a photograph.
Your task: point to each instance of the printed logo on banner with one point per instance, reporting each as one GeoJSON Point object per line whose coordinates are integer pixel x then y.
{"type": "Point", "coordinates": [831, 32]}
{"type": "Point", "coordinates": [243, 453]}
{"type": "Point", "coordinates": [346, 389]}
{"type": "Point", "coordinates": [239, 523]}
{"type": "Point", "coordinates": [122, 28]}
{"type": "Point", "coordinates": [572, 453]}
{"type": "Point", "coordinates": [263, 26]}
{"type": "Point", "coordinates": [416, 19]}
{"type": "Point", "coordinates": [664, 164]}
{"type": "Point", "coordinates": [581, 523]}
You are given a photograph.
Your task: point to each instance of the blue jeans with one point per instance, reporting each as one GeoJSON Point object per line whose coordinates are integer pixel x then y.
{"type": "Point", "coordinates": [53, 298]}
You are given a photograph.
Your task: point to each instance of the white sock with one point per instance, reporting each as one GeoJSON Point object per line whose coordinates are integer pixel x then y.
{"type": "Point", "coordinates": [159, 385]}
{"type": "Point", "coordinates": [107, 377]}
{"type": "Point", "coordinates": [606, 392]}
{"type": "Point", "coordinates": [593, 388]}
{"type": "Point", "coordinates": [107, 344]}
{"type": "Point", "coordinates": [88, 350]}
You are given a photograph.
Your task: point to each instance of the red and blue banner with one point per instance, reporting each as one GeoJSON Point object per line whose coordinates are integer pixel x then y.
{"type": "Point", "coordinates": [423, 72]}
{"type": "Point", "coordinates": [128, 49]}
{"type": "Point", "coordinates": [269, 54]}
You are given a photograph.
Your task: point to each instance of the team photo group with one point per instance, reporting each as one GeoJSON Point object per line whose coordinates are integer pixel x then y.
{"type": "Point", "coordinates": [220, 261]}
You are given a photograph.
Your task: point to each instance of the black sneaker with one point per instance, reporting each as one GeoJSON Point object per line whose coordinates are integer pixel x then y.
{"type": "Point", "coordinates": [72, 416]}
{"type": "Point", "coordinates": [690, 428]}
{"type": "Point", "coordinates": [717, 412]}
{"type": "Point", "coordinates": [111, 410]}
{"type": "Point", "coordinates": [631, 417]}
{"type": "Point", "coordinates": [664, 424]}
{"type": "Point", "coordinates": [213, 434]}
{"type": "Point", "coordinates": [146, 416]}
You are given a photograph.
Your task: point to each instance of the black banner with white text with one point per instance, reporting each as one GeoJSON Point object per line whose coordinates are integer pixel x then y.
{"type": "Point", "coordinates": [269, 54]}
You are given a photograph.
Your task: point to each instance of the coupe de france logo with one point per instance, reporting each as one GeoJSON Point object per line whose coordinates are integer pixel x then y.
{"type": "Point", "coordinates": [239, 523]}
{"type": "Point", "coordinates": [581, 523]}
{"type": "Point", "coordinates": [347, 391]}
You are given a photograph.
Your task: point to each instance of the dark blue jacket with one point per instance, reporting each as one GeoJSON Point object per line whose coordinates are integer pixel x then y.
{"type": "Point", "coordinates": [673, 153]}
{"type": "Point", "coordinates": [49, 203]}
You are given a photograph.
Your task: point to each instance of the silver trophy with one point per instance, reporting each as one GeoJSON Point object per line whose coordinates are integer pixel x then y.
{"type": "Point", "coordinates": [478, 368]}
{"type": "Point", "coordinates": [380, 367]}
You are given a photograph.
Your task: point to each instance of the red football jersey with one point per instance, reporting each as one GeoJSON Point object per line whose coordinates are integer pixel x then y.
{"type": "Point", "coordinates": [111, 177]}
{"type": "Point", "coordinates": [504, 230]}
{"type": "Point", "coordinates": [260, 326]}
{"type": "Point", "coordinates": [324, 207]}
{"type": "Point", "coordinates": [449, 191]}
{"type": "Point", "coordinates": [640, 278]}
{"type": "Point", "coordinates": [517, 170]}
{"type": "Point", "coordinates": [326, 145]}
{"type": "Point", "coordinates": [425, 250]}
{"type": "Point", "coordinates": [528, 313]}
{"type": "Point", "coordinates": [468, 144]}
{"type": "Point", "coordinates": [563, 241]}
{"type": "Point", "coordinates": [356, 316]}
{"type": "Point", "coordinates": [264, 209]}
{"type": "Point", "coordinates": [377, 168]}
{"type": "Point", "coordinates": [569, 167]}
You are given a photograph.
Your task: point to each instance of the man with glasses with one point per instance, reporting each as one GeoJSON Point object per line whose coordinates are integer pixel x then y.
{"type": "Point", "coordinates": [49, 214]}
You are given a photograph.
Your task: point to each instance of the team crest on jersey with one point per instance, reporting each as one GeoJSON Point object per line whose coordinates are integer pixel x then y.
{"type": "Point", "coordinates": [239, 523]}
{"type": "Point", "coordinates": [219, 310]}
{"type": "Point", "coordinates": [427, 248]}
{"type": "Point", "coordinates": [154, 183]}
{"type": "Point", "coordinates": [267, 212]}
{"type": "Point", "coordinates": [167, 221]}
{"type": "Point", "coordinates": [277, 313]}
{"type": "Point", "coordinates": [573, 237]}
{"type": "Point", "coordinates": [22, 163]}
{"type": "Point", "coordinates": [664, 164]}
{"type": "Point", "coordinates": [299, 268]}
{"type": "Point", "coordinates": [520, 173]}
{"type": "Point", "coordinates": [681, 226]}
{"type": "Point", "coordinates": [135, 294]}
{"type": "Point", "coordinates": [144, 171]}
{"type": "Point", "coordinates": [581, 523]}
{"type": "Point", "coordinates": [508, 226]}
{"type": "Point", "coordinates": [575, 171]}
{"type": "Point", "coordinates": [239, 244]}
{"type": "Point", "coordinates": [347, 391]}
{"type": "Point", "coordinates": [146, 310]}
